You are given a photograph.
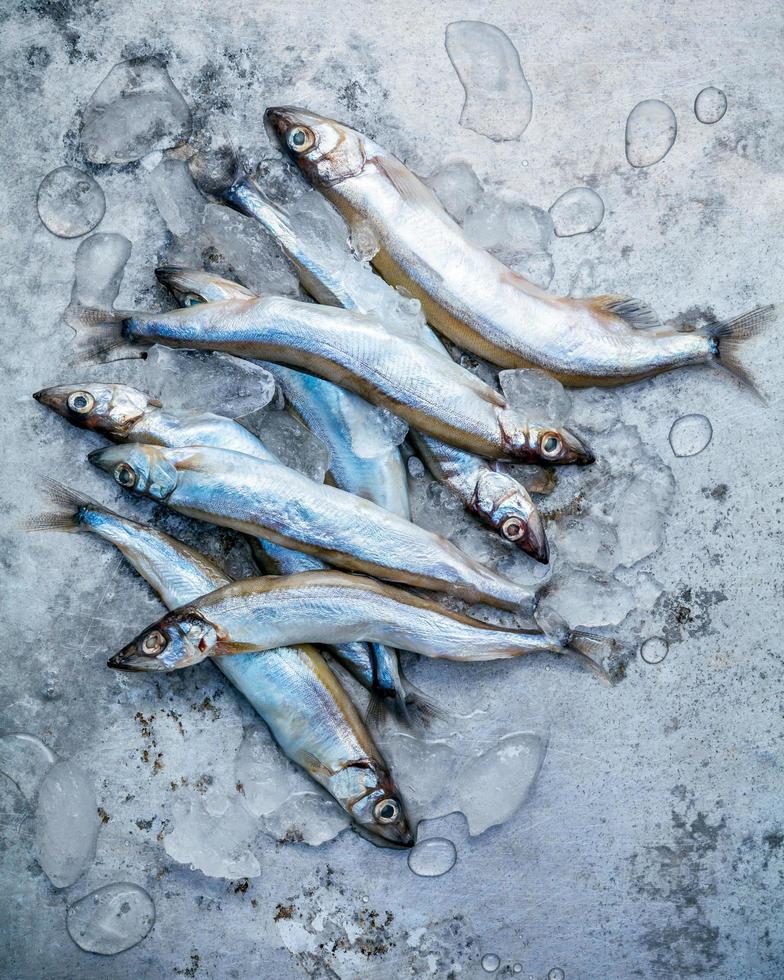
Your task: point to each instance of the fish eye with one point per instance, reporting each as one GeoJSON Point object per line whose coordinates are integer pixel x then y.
{"type": "Point", "coordinates": [551, 445]}
{"type": "Point", "coordinates": [124, 475]}
{"type": "Point", "coordinates": [300, 139]}
{"type": "Point", "coordinates": [191, 299]}
{"type": "Point", "coordinates": [81, 402]}
{"type": "Point", "coordinates": [154, 643]}
{"type": "Point", "coordinates": [513, 528]}
{"type": "Point", "coordinates": [386, 811]}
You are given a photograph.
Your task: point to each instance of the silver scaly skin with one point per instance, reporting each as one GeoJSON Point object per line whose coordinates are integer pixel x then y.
{"type": "Point", "coordinates": [126, 414]}
{"type": "Point", "coordinates": [293, 690]}
{"type": "Point", "coordinates": [470, 296]}
{"type": "Point", "coordinates": [268, 500]}
{"type": "Point", "coordinates": [431, 392]}
{"type": "Point", "coordinates": [259, 614]}
{"type": "Point", "coordinates": [497, 499]}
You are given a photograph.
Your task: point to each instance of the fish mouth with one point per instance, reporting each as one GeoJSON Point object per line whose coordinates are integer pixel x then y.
{"type": "Point", "coordinates": [399, 839]}
{"type": "Point", "coordinates": [535, 541]}
{"type": "Point", "coordinates": [132, 662]}
{"type": "Point", "coordinates": [277, 121]}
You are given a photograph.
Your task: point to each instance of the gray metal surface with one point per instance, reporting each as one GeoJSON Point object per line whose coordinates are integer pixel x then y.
{"type": "Point", "coordinates": [652, 844]}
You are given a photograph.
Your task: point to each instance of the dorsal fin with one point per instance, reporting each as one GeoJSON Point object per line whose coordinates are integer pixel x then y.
{"type": "Point", "coordinates": [637, 315]}
{"type": "Point", "coordinates": [408, 185]}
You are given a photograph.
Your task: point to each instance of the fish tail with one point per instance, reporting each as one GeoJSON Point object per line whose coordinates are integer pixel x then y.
{"type": "Point", "coordinates": [98, 331]}
{"type": "Point", "coordinates": [66, 518]}
{"type": "Point", "coordinates": [592, 651]}
{"type": "Point", "coordinates": [729, 337]}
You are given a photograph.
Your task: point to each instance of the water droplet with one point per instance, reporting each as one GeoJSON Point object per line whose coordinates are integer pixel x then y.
{"type": "Point", "coordinates": [490, 962]}
{"type": "Point", "coordinates": [498, 101]}
{"type": "Point", "coordinates": [710, 105]}
{"type": "Point", "coordinates": [690, 434]}
{"type": "Point", "coordinates": [25, 760]}
{"type": "Point", "coordinates": [517, 968]}
{"type": "Point", "coordinates": [650, 132]}
{"type": "Point", "coordinates": [111, 919]}
{"type": "Point", "coordinates": [654, 650]}
{"type": "Point", "coordinates": [365, 899]}
{"type": "Point", "coordinates": [556, 974]}
{"type": "Point", "coordinates": [70, 203]}
{"type": "Point", "coordinates": [576, 212]}
{"type": "Point", "coordinates": [432, 857]}
{"type": "Point", "coordinates": [416, 467]}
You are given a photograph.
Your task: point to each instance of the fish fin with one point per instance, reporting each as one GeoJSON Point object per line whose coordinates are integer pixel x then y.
{"type": "Point", "coordinates": [591, 650]}
{"type": "Point", "coordinates": [407, 184]}
{"type": "Point", "coordinates": [729, 337]}
{"type": "Point", "coordinates": [635, 314]}
{"type": "Point", "coordinates": [419, 711]}
{"type": "Point", "coordinates": [314, 765]}
{"type": "Point", "coordinates": [67, 519]}
{"type": "Point", "coordinates": [97, 331]}
{"type": "Point", "coordinates": [375, 709]}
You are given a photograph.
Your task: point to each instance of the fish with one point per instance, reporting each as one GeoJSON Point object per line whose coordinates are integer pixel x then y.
{"type": "Point", "coordinates": [475, 300]}
{"type": "Point", "coordinates": [430, 392]}
{"type": "Point", "coordinates": [332, 413]}
{"type": "Point", "coordinates": [292, 688]}
{"type": "Point", "coordinates": [127, 414]}
{"type": "Point", "coordinates": [496, 499]}
{"type": "Point", "coordinates": [257, 614]}
{"type": "Point", "coordinates": [265, 499]}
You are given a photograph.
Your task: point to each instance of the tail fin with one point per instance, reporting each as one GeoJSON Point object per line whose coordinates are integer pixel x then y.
{"type": "Point", "coordinates": [66, 518]}
{"type": "Point", "coordinates": [590, 649]}
{"type": "Point", "coordinates": [729, 337]}
{"type": "Point", "coordinates": [98, 331]}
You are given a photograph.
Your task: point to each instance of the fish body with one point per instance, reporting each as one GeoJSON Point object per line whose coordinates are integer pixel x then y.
{"type": "Point", "coordinates": [258, 614]}
{"type": "Point", "coordinates": [271, 501]}
{"type": "Point", "coordinates": [126, 414]}
{"type": "Point", "coordinates": [432, 393]}
{"type": "Point", "coordinates": [293, 690]}
{"type": "Point", "coordinates": [471, 297]}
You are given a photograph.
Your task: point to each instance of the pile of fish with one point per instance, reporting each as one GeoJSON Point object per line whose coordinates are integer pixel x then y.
{"type": "Point", "coordinates": [348, 578]}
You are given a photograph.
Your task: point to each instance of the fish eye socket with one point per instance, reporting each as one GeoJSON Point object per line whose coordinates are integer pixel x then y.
{"type": "Point", "coordinates": [124, 475]}
{"type": "Point", "coordinates": [154, 643]}
{"type": "Point", "coordinates": [191, 299]}
{"type": "Point", "coordinates": [300, 139]}
{"type": "Point", "coordinates": [551, 445]}
{"type": "Point", "coordinates": [81, 402]}
{"type": "Point", "coordinates": [386, 811]}
{"type": "Point", "coordinates": [513, 529]}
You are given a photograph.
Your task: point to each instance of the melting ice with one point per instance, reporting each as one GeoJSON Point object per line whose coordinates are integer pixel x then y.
{"type": "Point", "coordinates": [66, 823]}
{"type": "Point", "coordinates": [650, 133]}
{"type": "Point", "coordinates": [111, 919]}
{"type": "Point", "coordinates": [70, 202]}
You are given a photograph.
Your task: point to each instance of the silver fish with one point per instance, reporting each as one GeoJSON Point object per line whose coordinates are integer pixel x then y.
{"type": "Point", "coordinates": [293, 690]}
{"type": "Point", "coordinates": [258, 614]}
{"type": "Point", "coordinates": [268, 500]}
{"type": "Point", "coordinates": [474, 299]}
{"type": "Point", "coordinates": [126, 414]}
{"type": "Point", "coordinates": [432, 393]}
{"type": "Point", "coordinates": [497, 499]}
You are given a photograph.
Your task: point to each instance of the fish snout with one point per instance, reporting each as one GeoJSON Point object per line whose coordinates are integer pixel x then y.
{"type": "Point", "coordinates": [535, 543]}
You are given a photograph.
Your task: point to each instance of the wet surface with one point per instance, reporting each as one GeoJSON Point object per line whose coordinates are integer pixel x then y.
{"type": "Point", "coordinates": [654, 818]}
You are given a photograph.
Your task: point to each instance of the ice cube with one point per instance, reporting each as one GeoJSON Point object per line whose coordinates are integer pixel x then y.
{"type": "Point", "coordinates": [66, 823]}
{"type": "Point", "coordinates": [70, 202]}
{"type": "Point", "coordinates": [290, 441]}
{"type": "Point", "coordinates": [215, 840]}
{"type": "Point", "coordinates": [207, 381]}
{"type": "Point", "coordinates": [177, 198]}
{"type": "Point", "coordinates": [309, 818]}
{"type": "Point", "coordinates": [457, 187]}
{"type": "Point", "coordinates": [266, 776]}
{"type": "Point", "coordinates": [588, 599]}
{"type": "Point", "coordinates": [585, 542]}
{"type": "Point", "coordinates": [576, 212]}
{"type": "Point", "coordinates": [536, 395]}
{"type": "Point", "coordinates": [240, 244]}
{"type": "Point", "coordinates": [98, 270]}
{"type": "Point", "coordinates": [491, 787]}
{"type": "Point", "coordinates": [135, 109]}
{"type": "Point", "coordinates": [498, 101]}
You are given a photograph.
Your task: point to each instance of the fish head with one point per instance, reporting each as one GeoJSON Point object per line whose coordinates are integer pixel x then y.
{"type": "Point", "coordinates": [379, 813]}
{"type": "Point", "coordinates": [181, 639]}
{"type": "Point", "coordinates": [325, 150]}
{"type": "Point", "coordinates": [111, 409]}
{"type": "Point", "coordinates": [552, 445]}
{"type": "Point", "coordinates": [144, 469]}
{"type": "Point", "coordinates": [503, 504]}
{"type": "Point", "coordinates": [192, 286]}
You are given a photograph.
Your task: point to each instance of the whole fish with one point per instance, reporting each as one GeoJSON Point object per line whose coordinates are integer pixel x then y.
{"type": "Point", "coordinates": [268, 500]}
{"type": "Point", "coordinates": [125, 414]}
{"type": "Point", "coordinates": [262, 613]}
{"type": "Point", "coordinates": [332, 413]}
{"type": "Point", "coordinates": [293, 690]}
{"type": "Point", "coordinates": [431, 392]}
{"type": "Point", "coordinates": [471, 297]}
{"type": "Point", "coordinates": [497, 499]}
